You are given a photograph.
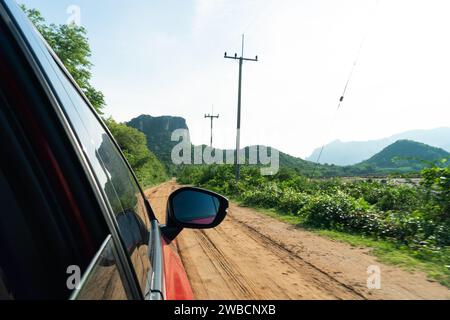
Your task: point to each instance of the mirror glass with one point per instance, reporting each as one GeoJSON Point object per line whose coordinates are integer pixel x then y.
{"type": "Point", "coordinates": [195, 207]}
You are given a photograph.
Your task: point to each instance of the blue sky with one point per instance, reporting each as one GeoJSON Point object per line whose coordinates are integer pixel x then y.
{"type": "Point", "coordinates": [165, 57]}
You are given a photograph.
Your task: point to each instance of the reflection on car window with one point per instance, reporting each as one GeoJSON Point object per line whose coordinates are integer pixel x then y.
{"type": "Point", "coordinates": [115, 178]}
{"type": "Point", "coordinates": [5, 294]}
{"type": "Point", "coordinates": [103, 281]}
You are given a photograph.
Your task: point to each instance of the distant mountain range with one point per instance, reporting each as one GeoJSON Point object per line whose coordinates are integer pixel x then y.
{"type": "Point", "coordinates": [350, 153]}
{"type": "Point", "coordinates": [399, 156]}
{"type": "Point", "coordinates": [404, 156]}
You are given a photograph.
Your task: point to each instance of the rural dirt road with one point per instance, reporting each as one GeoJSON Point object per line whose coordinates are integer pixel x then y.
{"type": "Point", "coordinates": [253, 256]}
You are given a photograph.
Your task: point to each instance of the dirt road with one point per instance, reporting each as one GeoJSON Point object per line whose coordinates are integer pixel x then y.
{"type": "Point", "coordinates": [253, 256]}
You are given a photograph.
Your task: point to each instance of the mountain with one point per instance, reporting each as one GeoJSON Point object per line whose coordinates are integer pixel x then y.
{"type": "Point", "coordinates": [349, 153]}
{"type": "Point", "coordinates": [158, 131]}
{"type": "Point", "coordinates": [405, 156]}
{"type": "Point", "coordinates": [397, 157]}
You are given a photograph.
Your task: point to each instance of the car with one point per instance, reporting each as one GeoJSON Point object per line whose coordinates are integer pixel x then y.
{"type": "Point", "coordinates": [74, 221]}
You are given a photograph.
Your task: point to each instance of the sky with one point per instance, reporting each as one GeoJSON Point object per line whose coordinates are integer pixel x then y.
{"type": "Point", "coordinates": [166, 57]}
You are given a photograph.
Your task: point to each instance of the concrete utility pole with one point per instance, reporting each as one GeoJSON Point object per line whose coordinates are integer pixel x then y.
{"type": "Point", "coordinates": [238, 138]}
{"type": "Point", "coordinates": [212, 117]}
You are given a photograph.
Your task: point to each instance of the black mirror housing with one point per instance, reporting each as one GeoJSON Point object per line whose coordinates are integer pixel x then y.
{"type": "Point", "coordinates": [193, 208]}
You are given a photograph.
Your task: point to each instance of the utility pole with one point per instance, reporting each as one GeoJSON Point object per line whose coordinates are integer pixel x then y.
{"type": "Point", "coordinates": [238, 138]}
{"type": "Point", "coordinates": [212, 117]}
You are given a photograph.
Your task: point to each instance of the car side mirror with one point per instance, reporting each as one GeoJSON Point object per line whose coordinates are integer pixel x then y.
{"type": "Point", "coordinates": [193, 208]}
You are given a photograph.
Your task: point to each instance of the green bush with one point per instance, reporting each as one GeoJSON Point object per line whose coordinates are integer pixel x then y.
{"type": "Point", "coordinates": [436, 185]}
{"type": "Point", "coordinates": [325, 211]}
{"type": "Point", "coordinates": [293, 202]}
{"type": "Point", "coordinates": [399, 198]}
{"type": "Point", "coordinates": [335, 211]}
{"type": "Point", "coordinates": [412, 216]}
{"type": "Point", "coordinates": [266, 196]}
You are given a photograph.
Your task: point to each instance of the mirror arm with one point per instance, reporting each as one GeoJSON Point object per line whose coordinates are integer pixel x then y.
{"type": "Point", "coordinates": [170, 233]}
{"type": "Point", "coordinates": [170, 230]}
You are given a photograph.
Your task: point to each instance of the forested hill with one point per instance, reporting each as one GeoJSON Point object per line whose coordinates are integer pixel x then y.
{"type": "Point", "coordinates": [405, 156]}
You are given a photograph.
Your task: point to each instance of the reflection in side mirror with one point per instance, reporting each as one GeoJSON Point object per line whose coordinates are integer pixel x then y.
{"type": "Point", "coordinates": [193, 208]}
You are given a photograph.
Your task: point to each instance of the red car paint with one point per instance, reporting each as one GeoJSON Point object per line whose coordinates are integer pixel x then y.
{"type": "Point", "coordinates": [177, 283]}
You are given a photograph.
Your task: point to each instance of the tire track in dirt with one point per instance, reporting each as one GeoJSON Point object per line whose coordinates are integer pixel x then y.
{"type": "Point", "coordinates": [254, 268]}
{"type": "Point", "coordinates": [297, 262]}
{"type": "Point", "coordinates": [234, 278]}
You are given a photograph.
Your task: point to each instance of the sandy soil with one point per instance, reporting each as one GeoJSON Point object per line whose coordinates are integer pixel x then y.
{"type": "Point", "coordinates": [253, 256]}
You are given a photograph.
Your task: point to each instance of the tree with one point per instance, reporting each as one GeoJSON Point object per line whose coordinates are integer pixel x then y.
{"type": "Point", "coordinates": [71, 45]}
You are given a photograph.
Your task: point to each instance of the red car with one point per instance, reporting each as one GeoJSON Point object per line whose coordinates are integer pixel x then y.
{"type": "Point", "coordinates": [74, 222]}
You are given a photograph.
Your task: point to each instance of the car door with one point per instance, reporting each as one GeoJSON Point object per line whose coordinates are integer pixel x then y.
{"type": "Point", "coordinates": [52, 229]}
{"type": "Point", "coordinates": [129, 217]}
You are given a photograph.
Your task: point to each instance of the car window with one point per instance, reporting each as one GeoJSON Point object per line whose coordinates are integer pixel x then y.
{"type": "Point", "coordinates": [114, 177]}
{"type": "Point", "coordinates": [5, 293]}
{"type": "Point", "coordinates": [110, 169]}
{"type": "Point", "coordinates": [103, 282]}
{"type": "Point", "coordinates": [36, 250]}
{"type": "Point", "coordinates": [48, 219]}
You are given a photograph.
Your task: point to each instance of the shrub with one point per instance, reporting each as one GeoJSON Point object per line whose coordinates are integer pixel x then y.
{"type": "Point", "coordinates": [413, 216]}
{"type": "Point", "coordinates": [266, 197]}
{"type": "Point", "coordinates": [292, 202]}
{"type": "Point", "coordinates": [400, 198]}
{"type": "Point", "coordinates": [368, 190]}
{"type": "Point", "coordinates": [327, 211]}
{"type": "Point", "coordinates": [436, 184]}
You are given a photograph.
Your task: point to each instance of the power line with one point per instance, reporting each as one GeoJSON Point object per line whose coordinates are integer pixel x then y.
{"type": "Point", "coordinates": [238, 136]}
{"type": "Point", "coordinates": [347, 84]}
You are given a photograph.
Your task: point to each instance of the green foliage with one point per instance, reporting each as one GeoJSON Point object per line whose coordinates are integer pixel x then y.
{"type": "Point", "coordinates": [71, 45]}
{"type": "Point", "coordinates": [267, 196]}
{"type": "Point", "coordinates": [146, 166]}
{"type": "Point", "coordinates": [436, 182]}
{"type": "Point", "coordinates": [293, 202]}
{"type": "Point", "coordinates": [411, 216]}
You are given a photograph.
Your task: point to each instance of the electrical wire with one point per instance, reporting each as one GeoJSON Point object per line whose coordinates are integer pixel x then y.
{"type": "Point", "coordinates": [347, 84]}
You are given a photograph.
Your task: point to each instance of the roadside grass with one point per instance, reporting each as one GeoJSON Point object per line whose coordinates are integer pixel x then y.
{"type": "Point", "coordinates": [388, 252]}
